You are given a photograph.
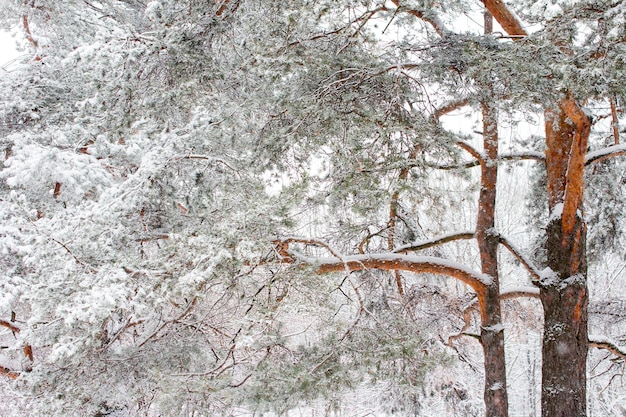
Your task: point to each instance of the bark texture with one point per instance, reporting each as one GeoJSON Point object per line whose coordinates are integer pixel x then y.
{"type": "Point", "coordinates": [564, 293]}
{"type": "Point", "coordinates": [492, 331]}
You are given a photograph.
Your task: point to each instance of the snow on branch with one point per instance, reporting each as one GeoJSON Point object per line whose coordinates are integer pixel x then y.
{"type": "Point", "coordinates": [519, 292]}
{"type": "Point", "coordinates": [601, 342]}
{"type": "Point", "coordinates": [8, 373]}
{"type": "Point", "coordinates": [10, 326]}
{"type": "Point", "coordinates": [520, 256]}
{"type": "Point", "coordinates": [384, 261]}
{"type": "Point", "coordinates": [515, 156]}
{"type": "Point", "coordinates": [434, 21]}
{"type": "Point", "coordinates": [434, 242]}
{"type": "Point", "coordinates": [450, 107]}
{"type": "Point", "coordinates": [605, 153]}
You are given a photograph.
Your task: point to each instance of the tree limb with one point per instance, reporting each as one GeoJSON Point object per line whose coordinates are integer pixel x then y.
{"type": "Point", "coordinates": [604, 343]}
{"type": "Point", "coordinates": [605, 153]}
{"type": "Point", "coordinates": [434, 21]}
{"type": "Point", "coordinates": [390, 262]}
{"type": "Point", "coordinates": [527, 263]}
{"type": "Point", "coordinates": [505, 18]}
{"type": "Point", "coordinates": [434, 242]}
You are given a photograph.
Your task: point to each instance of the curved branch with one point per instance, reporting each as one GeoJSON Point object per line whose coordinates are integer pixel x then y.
{"type": "Point", "coordinates": [311, 242]}
{"type": "Point", "coordinates": [470, 149]}
{"type": "Point", "coordinates": [434, 242]}
{"type": "Point", "coordinates": [450, 107]}
{"type": "Point", "coordinates": [604, 343]}
{"type": "Point", "coordinates": [605, 153]}
{"type": "Point", "coordinates": [434, 21]}
{"type": "Point", "coordinates": [389, 262]}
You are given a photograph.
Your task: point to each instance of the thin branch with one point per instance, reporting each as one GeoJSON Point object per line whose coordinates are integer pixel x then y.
{"type": "Point", "coordinates": [450, 107]}
{"type": "Point", "coordinates": [312, 242]}
{"type": "Point", "coordinates": [434, 242]}
{"type": "Point", "coordinates": [604, 343]}
{"type": "Point", "coordinates": [527, 263]}
{"type": "Point", "coordinates": [516, 156]}
{"type": "Point", "coordinates": [467, 321]}
{"type": "Point", "coordinates": [471, 150]}
{"type": "Point", "coordinates": [76, 258]}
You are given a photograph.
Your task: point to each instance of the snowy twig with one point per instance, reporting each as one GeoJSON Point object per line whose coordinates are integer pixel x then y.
{"type": "Point", "coordinates": [76, 258]}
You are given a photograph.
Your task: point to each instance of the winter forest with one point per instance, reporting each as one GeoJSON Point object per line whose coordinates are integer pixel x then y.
{"type": "Point", "coordinates": [340, 208]}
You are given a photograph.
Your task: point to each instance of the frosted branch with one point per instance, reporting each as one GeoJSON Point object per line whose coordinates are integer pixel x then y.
{"type": "Point", "coordinates": [434, 21]}
{"type": "Point", "coordinates": [607, 344]}
{"type": "Point", "coordinates": [389, 262]}
{"type": "Point", "coordinates": [519, 255]}
{"type": "Point", "coordinates": [605, 153]}
{"type": "Point", "coordinates": [434, 242]}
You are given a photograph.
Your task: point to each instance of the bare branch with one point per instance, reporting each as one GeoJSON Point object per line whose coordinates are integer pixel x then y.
{"type": "Point", "coordinates": [471, 150]}
{"type": "Point", "coordinates": [10, 326]}
{"type": "Point", "coordinates": [434, 242]}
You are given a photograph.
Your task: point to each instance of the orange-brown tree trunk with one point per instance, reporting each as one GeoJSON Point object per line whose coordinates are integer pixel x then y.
{"type": "Point", "coordinates": [564, 292]}
{"type": "Point", "coordinates": [492, 332]}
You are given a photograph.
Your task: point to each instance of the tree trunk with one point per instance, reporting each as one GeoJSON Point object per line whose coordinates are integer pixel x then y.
{"type": "Point", "coordinates": [492, 332]}
{"type": "Point", "coordinates": [564, 288]}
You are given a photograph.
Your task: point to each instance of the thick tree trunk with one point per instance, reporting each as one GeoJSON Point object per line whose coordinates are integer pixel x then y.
{"type": "Point", "coordinates": [564, 287]}
{"type": "Point", "coordinates": [492, 332]}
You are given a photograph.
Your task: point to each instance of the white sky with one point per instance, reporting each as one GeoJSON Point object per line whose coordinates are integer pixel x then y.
{"type": "Point", "coordinates": [7, 48]}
